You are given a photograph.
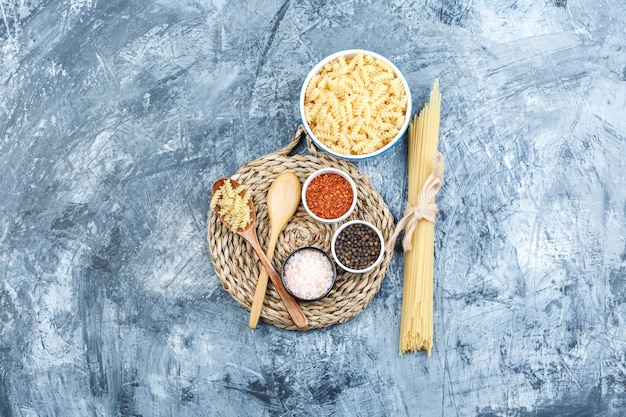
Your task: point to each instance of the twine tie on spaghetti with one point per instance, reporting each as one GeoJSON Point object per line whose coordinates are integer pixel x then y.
{"type": "Point", "coordinates": [425, 208]}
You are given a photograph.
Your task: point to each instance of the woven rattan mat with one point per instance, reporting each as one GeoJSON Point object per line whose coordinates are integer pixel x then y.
{"type": "Point", "coordinates": [237, 265]}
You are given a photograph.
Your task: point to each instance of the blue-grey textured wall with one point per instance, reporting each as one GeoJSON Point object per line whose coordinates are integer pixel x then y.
{"type": "Point", "coordinates": [115, 118]}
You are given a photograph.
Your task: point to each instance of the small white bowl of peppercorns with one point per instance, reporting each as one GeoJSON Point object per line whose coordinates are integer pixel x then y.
{"type": "Point", "coordinates": [358, 246]}
{"type": "Point", "coordinates": [329, 195]}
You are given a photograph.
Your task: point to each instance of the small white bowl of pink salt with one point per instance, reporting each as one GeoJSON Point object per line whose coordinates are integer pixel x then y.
{"type": "Point", "coordinates": [308, 274]}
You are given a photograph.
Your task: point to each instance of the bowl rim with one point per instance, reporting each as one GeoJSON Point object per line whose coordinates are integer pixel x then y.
{"type": "Point", "coordinates": [350, 53]}
{"type": "Point", "coordinates": [330, 260]}
{"type": "Point", "coordinates": [328, 170]}
{"type": "Point", "coordinates": [380, 255]}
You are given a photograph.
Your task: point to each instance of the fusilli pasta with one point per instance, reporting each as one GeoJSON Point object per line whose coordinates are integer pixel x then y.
{"type": "Point", "coordinates": [355, 106]}
{"type": "Point", "coordinates": [232, 205]}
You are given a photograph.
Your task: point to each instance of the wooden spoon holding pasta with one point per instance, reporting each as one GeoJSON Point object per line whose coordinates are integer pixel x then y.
{"type": "Point", "coordinates": [233, 205]}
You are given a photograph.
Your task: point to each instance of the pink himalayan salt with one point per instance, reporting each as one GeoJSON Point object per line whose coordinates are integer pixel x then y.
{"type": "Point", "coordinates": [308, 274]}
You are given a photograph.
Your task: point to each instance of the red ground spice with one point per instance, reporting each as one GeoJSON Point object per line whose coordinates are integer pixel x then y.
{"type": "Point", "coordinates": [329, 196]}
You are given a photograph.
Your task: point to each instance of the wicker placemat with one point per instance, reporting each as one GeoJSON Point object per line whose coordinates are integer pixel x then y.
{"type": "Point", "coordinates": [237, 265]}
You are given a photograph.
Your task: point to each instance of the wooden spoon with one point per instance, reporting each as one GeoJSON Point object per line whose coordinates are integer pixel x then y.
{"type": "Point", "coordinates": [249, 233]}
{"type": "Point", "coordinates": [283, 199]}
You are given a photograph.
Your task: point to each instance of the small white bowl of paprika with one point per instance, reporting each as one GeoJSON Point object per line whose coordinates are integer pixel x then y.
{"type": "Point", "coordinates": [329, 195]}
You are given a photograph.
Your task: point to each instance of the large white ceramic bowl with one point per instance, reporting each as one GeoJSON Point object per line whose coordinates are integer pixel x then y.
{"type": "Point", "coordinates": [348, 54]}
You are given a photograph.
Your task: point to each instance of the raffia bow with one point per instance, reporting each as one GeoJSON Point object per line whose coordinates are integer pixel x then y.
{"type": "Point", "coordinates": [424, 209]}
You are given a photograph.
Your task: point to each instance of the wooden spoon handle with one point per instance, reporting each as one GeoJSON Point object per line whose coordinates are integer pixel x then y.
{"type": "Point", "coordinates": [261, 285]}
{"type": "Point", "coordinates": [291, 305]}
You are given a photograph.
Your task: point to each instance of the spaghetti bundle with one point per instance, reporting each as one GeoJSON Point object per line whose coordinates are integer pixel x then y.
{"type": "Point", "coordinates": [425, 171]}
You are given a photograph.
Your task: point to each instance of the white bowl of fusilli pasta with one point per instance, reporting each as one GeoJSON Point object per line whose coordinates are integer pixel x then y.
{"type": "Point", "coordinates": [355, 104]}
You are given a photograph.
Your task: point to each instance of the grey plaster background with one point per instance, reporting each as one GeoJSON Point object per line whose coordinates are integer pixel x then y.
{"type": "Point", "coordinates": [115, 118]}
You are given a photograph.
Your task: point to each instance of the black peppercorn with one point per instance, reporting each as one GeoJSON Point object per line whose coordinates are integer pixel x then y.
{"type": "Point", "coordinates": [357, 246]}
